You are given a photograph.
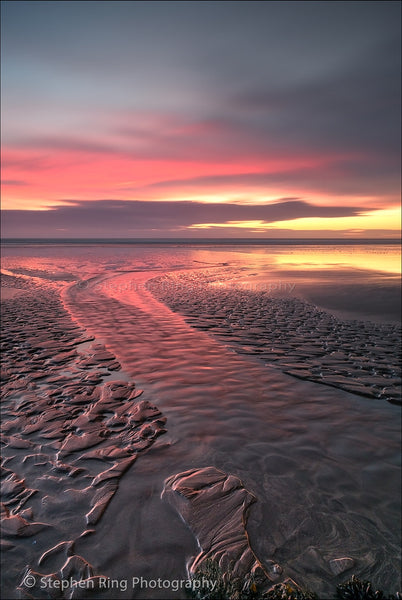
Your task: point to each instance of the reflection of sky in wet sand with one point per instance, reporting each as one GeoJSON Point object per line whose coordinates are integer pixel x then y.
{"type": "Point", "coordinates": [351, 281]}
{"type": "Point", "coordinates": [383, 259]}
{"type": "Point", "coordinates": [356, 280]}
{"type": "Point", "coordinates": [387, 259]}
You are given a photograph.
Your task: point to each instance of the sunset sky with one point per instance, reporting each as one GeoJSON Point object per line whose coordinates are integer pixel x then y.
{"type": "Point", "coordinates": [201, 119]}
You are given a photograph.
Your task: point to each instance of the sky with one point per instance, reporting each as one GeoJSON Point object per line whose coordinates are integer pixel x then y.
{"type": "Point", "coordinates": [200, 119]}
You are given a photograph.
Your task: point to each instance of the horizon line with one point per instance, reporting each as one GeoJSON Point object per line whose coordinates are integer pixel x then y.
{"type": "Point", "coordinates": [171, 240]}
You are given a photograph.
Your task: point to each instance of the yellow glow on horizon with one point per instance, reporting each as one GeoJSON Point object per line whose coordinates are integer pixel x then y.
{"type": "Point", "coordinates": [379, 219]}
{"type": "Point", "coordinates": [260, 225]}
{"type": "Point", "coordinates": [229, 197]}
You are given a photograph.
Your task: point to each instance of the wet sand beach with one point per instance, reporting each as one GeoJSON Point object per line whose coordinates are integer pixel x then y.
{"type": "Point", "coordinates": [128, 375]}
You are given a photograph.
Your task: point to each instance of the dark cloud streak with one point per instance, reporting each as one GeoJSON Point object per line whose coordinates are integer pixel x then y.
{"type": "Point", "coordinates": [12, 182]}
{"type": "Point", "coordinates": [122, 218]}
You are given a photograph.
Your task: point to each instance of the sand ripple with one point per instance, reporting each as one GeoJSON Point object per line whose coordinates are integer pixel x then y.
{"type": "Point", "coordinates": [322, 463]}
{"type": "Point", "coordinates": [288, 333]}
{"type": "Point", "coordinates": [311, 454]}
{"type": "Point", "coordinates": [68, 436]}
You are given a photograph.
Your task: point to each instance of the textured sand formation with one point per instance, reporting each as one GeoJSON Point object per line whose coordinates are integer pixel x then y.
{"type": "Point", "coordinates": [68, 434]}
{"type": "Point", "coordinates": [74, 423]}
{"type": "Point", "coordinates": [289, 333]}
{"type": "Point", "coordinates": [215, 507]}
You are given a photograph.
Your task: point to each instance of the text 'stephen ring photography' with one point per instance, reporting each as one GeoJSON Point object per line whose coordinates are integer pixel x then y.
{"type": "Point", "coordinates": [200, 300]}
